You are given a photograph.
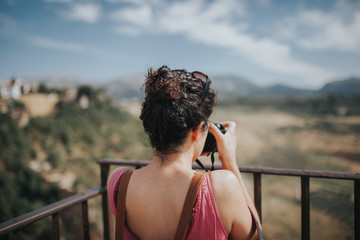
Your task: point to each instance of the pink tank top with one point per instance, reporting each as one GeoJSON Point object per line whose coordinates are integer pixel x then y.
{"type": "Point", "coordinates": [207, 223]}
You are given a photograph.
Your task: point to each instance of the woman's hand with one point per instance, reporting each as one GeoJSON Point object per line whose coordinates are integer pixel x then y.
{"type": "Point", "coordinates": [226, 144]}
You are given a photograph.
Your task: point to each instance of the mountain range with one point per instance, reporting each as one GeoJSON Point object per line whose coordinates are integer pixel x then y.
{"type": "Point", "coordinates": [130, 87]}
{"type": "Point", "coordinates": [237, 86]}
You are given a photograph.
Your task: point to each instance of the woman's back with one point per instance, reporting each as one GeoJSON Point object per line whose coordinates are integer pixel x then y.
{"type": "Point", "coordinates": [154, 203]}
{"type": "Point", "coordinates": [158, 218]}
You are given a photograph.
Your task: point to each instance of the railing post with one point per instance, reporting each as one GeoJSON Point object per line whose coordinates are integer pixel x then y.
{"type": "Point", "coordinates": [357, 209]}
{"type": "Point", "coordinates": [105, 209]}
{"type": "Point", "coordinates": [55, 226]}
{"type": "Point", "coordinates": [305, 208]}
{"type": "Point", "coordinates": [16, 235]}
{"type": "Point", "coordinates": [257, 193]}
{"type": "Point", "coordinates": [85, 220]}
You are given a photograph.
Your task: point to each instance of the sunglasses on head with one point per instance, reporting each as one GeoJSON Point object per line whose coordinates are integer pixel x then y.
{"type": "Point", "coordinates": [203, 77]}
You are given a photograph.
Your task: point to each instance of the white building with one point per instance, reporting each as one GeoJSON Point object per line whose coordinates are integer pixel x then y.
{"type": "Point", "coordinates": [11, 89]}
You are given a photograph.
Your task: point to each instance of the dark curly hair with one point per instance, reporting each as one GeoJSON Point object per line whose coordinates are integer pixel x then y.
{"type": "Point", "coordinates": [174, 104]}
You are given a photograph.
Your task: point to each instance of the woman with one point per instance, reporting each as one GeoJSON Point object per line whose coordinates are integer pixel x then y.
{"type": "Point", "coordinates": [175, 115]}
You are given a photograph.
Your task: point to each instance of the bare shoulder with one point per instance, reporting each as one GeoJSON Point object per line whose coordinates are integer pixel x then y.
{"type": "Point", "coordinates": [114, 172]}
{"type": "Point", "coordinates": [224, 181]}
{"type": "Point", "coordinates": [231, 203]}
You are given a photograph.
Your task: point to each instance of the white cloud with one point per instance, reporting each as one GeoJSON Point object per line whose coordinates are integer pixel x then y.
{"type": "Point", "coordinates": [222, 24]}
{"type": "Point", "coordinates": [55, 44]}
{"type": "Point", "coordinates": [137, 15]}
{"type": "Point", "coordinates": [58, 1]}
{"type": "Point", "coordinates": [88, 12]}
{"type": "Point", "coordinates": [138, 2]}
{"type": "Point", "coordinates": [66, 46]}
{"type": "Point", "coordinates": [202, 23]}
{"type": "Point", "coordinates": [127, 1]}
{"type": "Point", "coordinates": [315, 29]}
{"type": "Point", "coordinates": [264, 3]}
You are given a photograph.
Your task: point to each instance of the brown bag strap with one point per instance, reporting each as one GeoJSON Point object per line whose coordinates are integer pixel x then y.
{"type": "Point", "coordinates": [120, 205]}
{"type": "Point", "coordinates": [188, 206]}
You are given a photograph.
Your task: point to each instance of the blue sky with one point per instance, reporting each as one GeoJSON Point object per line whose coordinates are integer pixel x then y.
{"type": "Point", "coordinates": [297, 43]}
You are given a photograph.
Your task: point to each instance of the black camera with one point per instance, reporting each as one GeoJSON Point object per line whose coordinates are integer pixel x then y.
{"type": "Point", "coordinates": [210, 143]}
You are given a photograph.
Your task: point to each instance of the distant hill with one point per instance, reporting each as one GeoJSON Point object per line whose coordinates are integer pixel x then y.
{"type": "Point", "coordinates": [56, 82]}
{"type": "Point", "coordinates": [242, 87]}
{"type": "Point", "coordinates": [279, 89]}
{"type": "Point", "coordinates": [350, 86]}
{"type": "Point", "coordinates": [235, 85]}
{"type": "Point", "coordinates": [130, 87]}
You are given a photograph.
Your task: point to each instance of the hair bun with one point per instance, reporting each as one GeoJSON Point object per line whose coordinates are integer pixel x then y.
{"type": "Point", "coordinates": [162, 84]}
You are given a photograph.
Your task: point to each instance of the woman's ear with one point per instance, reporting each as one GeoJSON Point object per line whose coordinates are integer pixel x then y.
{"type": "Point", "coordinates": [195, 133]}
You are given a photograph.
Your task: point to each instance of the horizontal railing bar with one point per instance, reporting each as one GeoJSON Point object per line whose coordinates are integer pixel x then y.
{"type": "Point", "coordinates": [48, 210]}
{"type": "Point", "coordinates": [132, 163]}
{"type": "Point", "coordinates": [302, 172]}
{"type": "Point", "coordinates": [263, 170]}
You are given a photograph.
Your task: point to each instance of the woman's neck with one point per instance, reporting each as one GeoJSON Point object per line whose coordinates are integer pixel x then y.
{"type": "Point", "coordinates": [178, 161]}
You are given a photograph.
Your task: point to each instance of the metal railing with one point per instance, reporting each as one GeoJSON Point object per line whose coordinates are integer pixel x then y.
{"type": "Point", "coordinates": [15, 225]}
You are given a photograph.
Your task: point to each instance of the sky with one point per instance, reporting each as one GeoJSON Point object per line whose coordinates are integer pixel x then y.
{"type": "Point", "coordinates": [297, 43]}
